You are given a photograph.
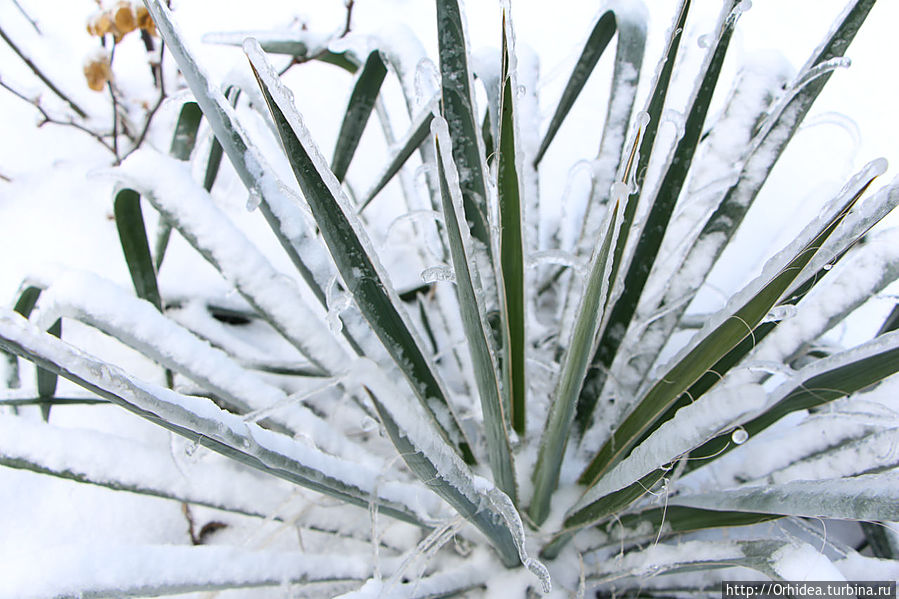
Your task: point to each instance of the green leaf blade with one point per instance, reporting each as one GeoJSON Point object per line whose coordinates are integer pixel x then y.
{"type": "Point", "coordinates": [474, 323]}
{"type": "Point", "coordinates": [511, 250]}
{"type": "Point", "coordinates": [575, 365]}
{"type": "Point", "coordinates": [375, 298]}
{"type": "Point", "coordinates": [362, 101]}
{"type": "Point", "coordinates": [133, 238]}
{"type": "Point", "coordinates": [704, 354]}
{"type": "Point", "coordinates": [458, 110]}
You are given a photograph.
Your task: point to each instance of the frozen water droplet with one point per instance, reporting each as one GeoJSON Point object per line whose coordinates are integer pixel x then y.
{"type": "Point", "coordinates": [642, 119]}
{"type": "Point", "coordinates": [827, 266]}
{"type": "Point", "coordinates": [704, 41]}
{"type": "Point", "coordinates": [191, 448]}
{"type": "Point", "coordinates": [676, 118]}
{"type": "Point", "coordinates": [779, 313]}
{"type": "Point", "coordinates": [253, 200]}
{"type": "Point", "coordinates": [618, 193]}
{"type": "Point", "coordinates": [739, 436]}
{"type": "Point", "coordinates": [521, 91]}
{"type": "Point", "coordinates": [554, 257]}
{"type": "Point", "coordinates": [426, 80]}
{"type": "Point", "coordinates": [441, 272]}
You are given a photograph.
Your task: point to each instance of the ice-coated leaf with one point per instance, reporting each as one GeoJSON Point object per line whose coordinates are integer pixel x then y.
{"type": "Point", "coordinates": [200, 420]}
{"type": "Point", "coordinates": [459, 111]}
{"type": "Point", "coordinates": [112, 461]}
{"type": "Point", "coordinates": [768, 556]}
{"type": "Point", "coordinates": [511, 241]}
{"type": "Point", "coordinates": [351, 250]}
{"type": "Point", "coordinates": [192, 211]}
{"type": "Point", "coordinates": [302, 45]}
{"type": "Point", "coordinates": [662, 522]}
{"type": "Point", "coordinates": [777, 129]}
{"type": "Point", "coordinates": [865, 497]}
{"type": "Point", "coordinates": [135, 323]}
{"type": "Point", "coordinates": [823, 381]}
{"type": "Point", "coordinates": [155, 570]}
{"type": "Point", "coordinates": [281, 212]}
{"type": "Point", "coordinates": [629, 21]}
{"type": "Point", "coordinates": [474, 319]}
{"type": "Point", "coordinates": [434, 462]}
{"type": "Point", "coordinates": [575, 365]}
{"type": "Point", "coordinates": [418, 133]}
{"type": "Point", "coordinates": [362, 101]}
{"type": "Point", "coordinates": [735, 322]}
{"type": "Point", "coordinates": [662, 205]}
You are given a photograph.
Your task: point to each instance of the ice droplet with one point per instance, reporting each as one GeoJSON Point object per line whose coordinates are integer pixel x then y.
{"type": "Point", "coordinates": [253, 200]}
{"type": "Point", "coordinates": [739, 436]}
{"type": "Point", "coordinates": [779, 313]}
{"type": "Point", "coordinates": [827, 266]}
{"type": "Point", "coordinates": [335, 307]}
{"type": "Point", "coordinates": [676, 118]}
{"type": "Point", "coordinates": [441, 272]}
{"type": "Point", "coordinates": [521, 91]}
{"type": "Point", "coordinates": [705, 40]}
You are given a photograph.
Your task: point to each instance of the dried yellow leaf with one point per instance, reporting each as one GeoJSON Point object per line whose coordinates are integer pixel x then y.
{"type": "Point", "coordinates": [145, 21]}
{"type": "Point", "coordinates": [99, 23]}
{"type": "Point", "coordinates": [124, 18]}
{"type": "Point", "coordinates": [97, 72]}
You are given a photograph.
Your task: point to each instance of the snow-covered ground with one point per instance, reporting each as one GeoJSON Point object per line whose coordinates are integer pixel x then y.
{"type": "Point", "coordinates": [55, 204]}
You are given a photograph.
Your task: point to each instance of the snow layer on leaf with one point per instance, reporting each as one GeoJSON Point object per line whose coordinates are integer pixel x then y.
{"type": "Point", "coordinates": [151, 570]}
{"type": "Point", "coordinates": [192, 210]}
{"type": "Point", "coordinates": [865, 497]}
{"type": "Point", "coordinates": [692, 425]}
{"type": "Point", "coordinates": [853, 281]}
{"type": "Point", "coordinates": [776, 264]}
{"type": "Point", "coordinates": [275, 452]}
{"type": "Point", "coordinates": [120, 463]}
{"type": "Point", "coordinates": [99, 303]}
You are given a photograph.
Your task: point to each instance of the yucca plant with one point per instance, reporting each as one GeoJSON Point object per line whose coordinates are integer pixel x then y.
{"type": "Point", "coordinates": [554, 408]}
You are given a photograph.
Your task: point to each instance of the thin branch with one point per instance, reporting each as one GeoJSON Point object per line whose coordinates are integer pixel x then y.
{"type": "Point", "coordinates": [50, 119]}
{"type": "Point", "coordinates": [41, 76]}
{"type": "Point", "coordinates": [158, 74]}
{"type": "Point", "coordinates": [346, 29]}
{"type": "Point", "coordinates": [5, 178]}
{"type": "Point", "coordinates": [28, 17]}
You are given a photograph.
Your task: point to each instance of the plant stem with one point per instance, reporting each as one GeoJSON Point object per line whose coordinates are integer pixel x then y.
{"type": "Point", "coordinates": [41, 76]}
{"type": "Point", "coordinates": [55, 121]}
{"type": "Point", "coordinates": [28, 17]}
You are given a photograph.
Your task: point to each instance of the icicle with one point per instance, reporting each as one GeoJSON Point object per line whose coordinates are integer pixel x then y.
{"type": "Point", "coordinates": [822, 68]}
{"type": "Point", "coordinates": [737, 12]}
{"type": "Point", "coordinates": [506, 509]}
{"type": "Point", "coordinates": [427, 80]}
{"type": "Point", "coordinates": [555, 257]}
{"type": "Point", "coordinates": [441, 272]}
{"type": "Point", "coordinates": [779, 313]}
{"type": "Point", "coordinates": [253, 199]}
{"type": "Point", "coordinates": [676, 118]}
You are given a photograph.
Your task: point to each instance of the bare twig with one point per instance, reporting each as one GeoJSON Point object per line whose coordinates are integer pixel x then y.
{"type": "Point", "coordinates": [28, 17]}
{"type": "Point", "coordinates": [115, 111]}
{"type": "Point", "coordinates": [158, 74]}
{"type": "Point", "coordinates": [349, 17]}
{"type": "Point", "coordinates": [5, 178]}
{"type": "Point", "coordinates": [52, 120]}
{"type": "Point", "coordinates": [34, 69]}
